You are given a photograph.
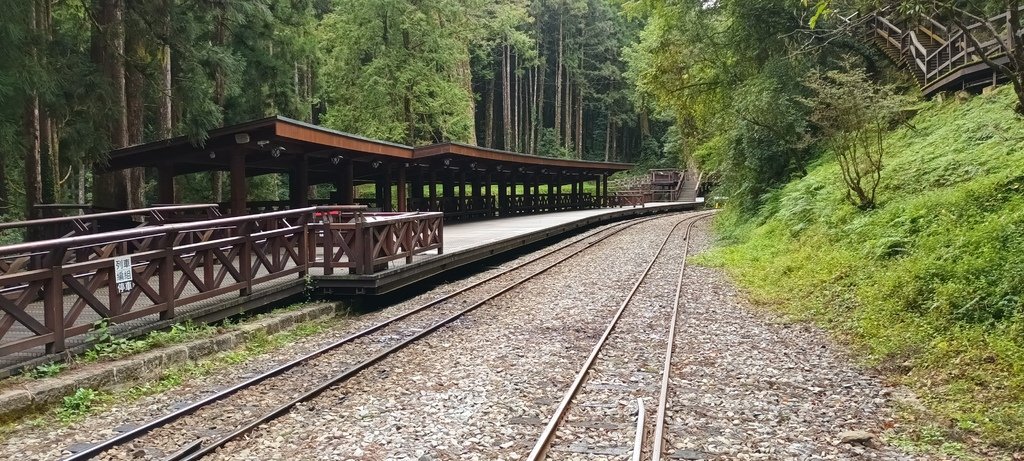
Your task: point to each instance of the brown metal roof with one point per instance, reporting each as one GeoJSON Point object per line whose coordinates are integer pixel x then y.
{"type": "Point", "coordinates": [320, 145]}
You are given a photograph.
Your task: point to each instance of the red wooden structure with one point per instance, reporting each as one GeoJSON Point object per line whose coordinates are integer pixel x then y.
{"type": "Point", "coordinates": [460, 180]}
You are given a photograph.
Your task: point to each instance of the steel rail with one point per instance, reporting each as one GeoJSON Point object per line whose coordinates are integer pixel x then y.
{"type": "Point", "coordinates": [351, 372]}
{"type": "Point", "coordinates": [547, 436]}
{"type": "Point", "coordinates": [638, 441]}
{"type": "Point", "coordinates": [659, 419]}
{"type": "Point", "coordinates": [195, 406]}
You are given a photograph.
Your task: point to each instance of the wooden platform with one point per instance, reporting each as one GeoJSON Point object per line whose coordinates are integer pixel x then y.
{"type": "Point", "coordinates": [464, 243]}
{"type": "Point", "coordinates": [467, 243]}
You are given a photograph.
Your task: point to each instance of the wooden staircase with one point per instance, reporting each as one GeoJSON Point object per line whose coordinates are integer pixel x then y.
{"type": "Point", "coordinates": [939, 57]}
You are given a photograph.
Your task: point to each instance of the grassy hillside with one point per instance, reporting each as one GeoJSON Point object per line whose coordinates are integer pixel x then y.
{"type": "Point", "coordinates": [930, 284]}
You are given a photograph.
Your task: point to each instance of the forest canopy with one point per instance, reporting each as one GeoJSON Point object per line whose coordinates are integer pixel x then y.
{"type": "Point", "coordinates": [661, 83]}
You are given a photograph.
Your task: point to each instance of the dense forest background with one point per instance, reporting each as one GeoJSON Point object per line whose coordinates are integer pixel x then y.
{"type": "Point", "coordinates": [656, 82]}
{"type": "Point", "coordinates": [79, 78]}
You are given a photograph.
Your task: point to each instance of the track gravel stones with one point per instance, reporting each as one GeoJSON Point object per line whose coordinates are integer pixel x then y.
{"type": "Point", "coordinates": [743, 386]}
{"type": "Point", "coordinates": [481, 390]}
{"type": "Point", "coordinates": [746, 386]}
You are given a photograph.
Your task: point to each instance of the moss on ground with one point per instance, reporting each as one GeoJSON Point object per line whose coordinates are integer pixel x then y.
{"type": "Point", "coordinates": [928, 285]}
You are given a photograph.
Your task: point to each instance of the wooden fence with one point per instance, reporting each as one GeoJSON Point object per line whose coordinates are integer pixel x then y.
{"type": "Point", "coordinates": [47, 286]}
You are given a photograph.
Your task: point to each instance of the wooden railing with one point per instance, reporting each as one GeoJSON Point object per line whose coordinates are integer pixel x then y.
{"type": "Point", "coordinates": [55, 289]}
{"type": "Point", "coordinates": [363, 242]}
{"type": "Point", "coordinates": [952, 51]}
{"type": "Point", "coordinates": [86, 224]}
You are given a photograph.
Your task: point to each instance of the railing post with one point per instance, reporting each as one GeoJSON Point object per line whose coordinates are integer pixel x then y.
{"type": "Point", "coordinates": [245, 258]}
{"type": "Point", "coordinates": [367, 250]}
{"type": "Point", "coordinates": [413, 231]}
{"type": "Point", "coordinates": [440, 235]}
{"type": "Point", "coordinates": [53, 303]}
{"type": "Point", "coordinates": [328, 245]}
{"type": "Point", "coordinates": [303, 244]}
{"type": "Point", "coordinates": [356, 254]}
{"type": "Point", "coordinates": [167, 276]}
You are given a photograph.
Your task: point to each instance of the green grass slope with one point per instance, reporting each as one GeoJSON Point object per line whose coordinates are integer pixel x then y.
{"type": "Point", "coordinates": [930, 284]}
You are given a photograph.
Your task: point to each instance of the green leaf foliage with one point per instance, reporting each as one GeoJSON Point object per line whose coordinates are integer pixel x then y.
{"type": "Point", "coordinates": [929, 284]}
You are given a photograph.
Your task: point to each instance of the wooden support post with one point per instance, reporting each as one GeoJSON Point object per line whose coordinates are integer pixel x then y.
{"type": "Point", "coordinates": [502, 195]}
{"type": "Point", "coordinates": [386, 191]}
{"type": "Point", "coordinates": [403, 204]}
{"type": "Point", "coordinates": [239, 186]}
{"type": "Point", "coordinates": [448, 192]}
{"type": "Point", "coordinates": [575, 200]}
{"type": "Point", "coordinates": [527, 200]}
{"type": "Point", "coordinates": [604, 189]}
{"type": "Point", "coordinates": [512, 205]}
{"type": "Point", "coordinates": [434, 205]}
{"type": "Point", "coordinates": [489, 195]}
{"type": "Point", "coordinates": [597, 192]}
{"type": "Point", "coordinates": [478, 188]}
{"type": "Point", "coordinates": [345, 185]}
{"type": "Point", "coordinates": [552, 193]}
{"type": "Point", "coordinates": [165, 184]}
{"type": "Point", "coordinates": [464, 204]}
{"type": "Point", "coordinates": [299, 183]}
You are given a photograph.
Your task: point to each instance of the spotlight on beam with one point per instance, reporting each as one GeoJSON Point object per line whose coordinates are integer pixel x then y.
{"type": "Point", "coordinates": [337, 159]}
{"type": "Point", "coordinates": [446, 161]}
{"type": "Point", "coordinates": [375, 164]}
{"type": "Point", "coordinates": [276, 152]}
{"type": "Point", "coordinates": [213, 154]}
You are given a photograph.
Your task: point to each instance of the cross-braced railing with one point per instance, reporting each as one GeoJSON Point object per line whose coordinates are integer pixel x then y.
{"type": "Point", "coordinates": [939, 54]}
{"type": "Point", "coordinates": [56, 289]}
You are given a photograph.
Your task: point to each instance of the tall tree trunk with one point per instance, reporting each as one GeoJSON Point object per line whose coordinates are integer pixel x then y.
{"type": "Point", "coordinates": [506, 99]}
{"type": "Point", "coordinates": [165, 112]}
{"type": "Point", "coordinates": [615, 138]}
{"type": "Point", "coordinates": [466, 77]}
{"type": "Point", "coordinates": [541, 77]}
{"type": "Point", "coordinates": [532, 135]}
{"type": "Point", "coordinates": [489, 115]}
{"type": "Point", "coordinates": [220, 37]}
{"type": "Point", "coordinates": [515, 104]}
{"type": "Point", "coordinates": [645, 124]}
{"type": "Point", "coordinates": [558, 80]}
{"type": "Point", "coordinates": [49, 165]}
{"type": "Point", "coordinates": [33, 173]}
{"type": "Point", "coordinates": [579, 121]}
{"type": "Point", "coordinates": [410, 118]}
{"type": "Point", "coordinates": [568, 135]}
{"type": "Point", "coordinates": [607, 136]}
{"type": "Point", "coordinates": [110, 190]}
{"type": "Point", "coordinates": [5, 189]}
{"type": "Point", "coordinates": [135, 110]}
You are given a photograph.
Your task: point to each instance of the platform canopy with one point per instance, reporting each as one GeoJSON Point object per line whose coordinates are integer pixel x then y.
{"type": "Point", "coordinates": [311, 154]}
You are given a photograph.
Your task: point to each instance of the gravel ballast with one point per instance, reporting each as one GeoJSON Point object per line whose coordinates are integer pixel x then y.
{"type": "Point", "coordinates": [744, 385]}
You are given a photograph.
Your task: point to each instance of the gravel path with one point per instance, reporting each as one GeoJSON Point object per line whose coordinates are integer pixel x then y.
{"type": "Point", "coordinates": [601, 419]}
{"type": "Point", "coordinates": [744, 385]}
{"type": "Point", "coordinates": [437, 402]}
{"type": "Point", "coordinates": [30, 441]}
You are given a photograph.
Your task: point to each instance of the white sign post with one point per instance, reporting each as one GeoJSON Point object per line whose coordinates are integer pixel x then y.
{"type": "Point", "coordinates": [123, 274]}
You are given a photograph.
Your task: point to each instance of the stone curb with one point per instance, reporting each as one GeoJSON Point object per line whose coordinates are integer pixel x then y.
{"type": "Point", "coordinates": [123, 372]}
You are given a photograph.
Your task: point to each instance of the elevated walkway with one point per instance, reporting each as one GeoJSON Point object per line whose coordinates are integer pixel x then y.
{"type": "Point", "coordinates": [942, 57]}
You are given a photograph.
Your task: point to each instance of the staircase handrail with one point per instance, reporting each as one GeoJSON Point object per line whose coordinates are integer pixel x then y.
{"type": "Point", "coordinates": [954, 51]}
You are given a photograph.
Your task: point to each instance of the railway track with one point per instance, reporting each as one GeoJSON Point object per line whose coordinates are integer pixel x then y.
{"type": "Point", "coordinates": [199, 428]}
{"type": "Point", "coordinates": [602, 414]}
